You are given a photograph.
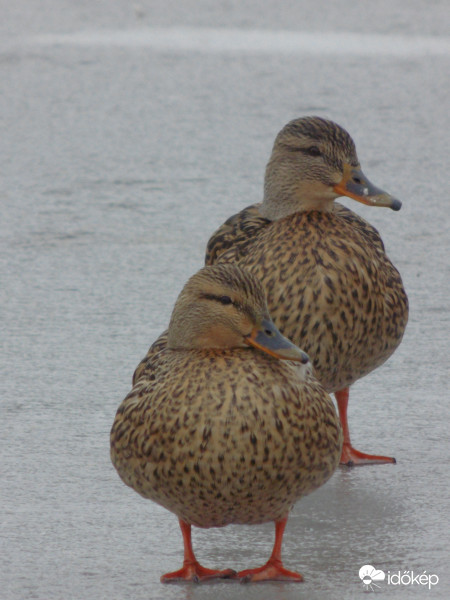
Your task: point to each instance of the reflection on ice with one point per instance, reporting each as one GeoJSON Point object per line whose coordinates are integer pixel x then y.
{"type": "Point", "coordinates": [258, 41]}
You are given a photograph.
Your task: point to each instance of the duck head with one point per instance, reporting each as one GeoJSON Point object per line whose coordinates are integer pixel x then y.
{"type": "Point", "coordinates": [223, 306]}
{"type": "Point", "coordinates": [313, 162]}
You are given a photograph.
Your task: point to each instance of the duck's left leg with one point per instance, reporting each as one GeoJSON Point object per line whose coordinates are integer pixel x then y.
{"type": "Point", "coordinates": [192, 570]}
{"type": "Point", "coordinates": [273, 570]}
{"type": "Point", "coordinates": [350, 456]}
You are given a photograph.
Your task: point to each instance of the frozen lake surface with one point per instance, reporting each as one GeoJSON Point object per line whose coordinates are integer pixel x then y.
{"type": "Point", "coordinates": [129, 133]}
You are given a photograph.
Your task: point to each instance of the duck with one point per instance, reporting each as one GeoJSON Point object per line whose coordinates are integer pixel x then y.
{"type": "Point", "coordinates": [228, 424]}
{"type": "Point", "coordinates": [330, 285]}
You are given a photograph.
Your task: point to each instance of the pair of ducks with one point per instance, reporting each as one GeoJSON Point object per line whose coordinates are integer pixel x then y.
{"type": "Point", "coordinates": [227, 421]}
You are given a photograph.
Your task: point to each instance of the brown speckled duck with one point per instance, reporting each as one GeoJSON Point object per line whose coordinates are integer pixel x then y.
{"type": "Point", "coordinates": [223, 427]}
{"type": "Point", "coordinates": [330, 286]}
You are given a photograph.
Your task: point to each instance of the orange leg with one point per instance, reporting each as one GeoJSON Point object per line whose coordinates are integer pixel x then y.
{"type": "Point", "coordinates": [273, 570]}
{"type": "Point", "coordinates": [350, 456]}
{"type": "Point", "coordinates": [192, 570]}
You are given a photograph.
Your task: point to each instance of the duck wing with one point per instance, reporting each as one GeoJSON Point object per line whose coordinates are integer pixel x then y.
{"type": "Point", "coordinates": [236, 233]}
{"type": "Point", "coordinates": [148, 365]}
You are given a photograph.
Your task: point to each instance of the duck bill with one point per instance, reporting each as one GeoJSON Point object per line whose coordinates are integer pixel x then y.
{"type": "Point", "coordinates": [355, 184]}
{"type": "Point", "coordinates": [267, 338]}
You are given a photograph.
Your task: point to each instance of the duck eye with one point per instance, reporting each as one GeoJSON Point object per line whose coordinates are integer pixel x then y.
{"type": "Point", "coordinates": [225, 300]}
{"type": "Point", "coordinates": [313, 151]}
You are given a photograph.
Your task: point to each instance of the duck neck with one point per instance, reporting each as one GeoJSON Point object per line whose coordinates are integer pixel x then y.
{"type": "Point", "coordinates": [285, 203]}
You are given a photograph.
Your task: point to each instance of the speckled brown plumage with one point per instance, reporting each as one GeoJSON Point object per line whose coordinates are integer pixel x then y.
{"type": "Point", "coordinates": [330, 288]}
{"type": "Point", "coordinates": [147, 364]}
{"type": "Point", "coordinates": [222, 437]}
{"type": "Point", "coordinates": [228, 434]}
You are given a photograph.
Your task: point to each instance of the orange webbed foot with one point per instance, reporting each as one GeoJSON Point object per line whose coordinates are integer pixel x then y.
{"type": "Point", "coordinates": [352, 457]}
{"type": "Point", "coordinates": [193, 571]}
{"type": "Point", "coordinates": [273, 570]}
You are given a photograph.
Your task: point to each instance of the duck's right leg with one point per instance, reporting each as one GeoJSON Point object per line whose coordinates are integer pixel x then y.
{"type": "Point", "coordinates": [350, 456]}
{"type": "Point", "coordinates": [192, 570]}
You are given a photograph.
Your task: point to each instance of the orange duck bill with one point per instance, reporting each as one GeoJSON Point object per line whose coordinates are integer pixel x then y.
{"type": "Point", "coordinates": [267, 338]}
{"type": "Point", "coordinates": [355, 184]}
